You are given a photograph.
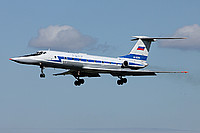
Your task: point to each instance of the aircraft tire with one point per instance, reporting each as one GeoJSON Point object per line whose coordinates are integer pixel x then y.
{"type": "Point", "coordinates": [124, 80]}
{"type": "Point", "coordinates": [81, 81]}
{"type": "Point", "coordinates": [77, 83]}
{"type": "Point", "coordinates": [42, 75]}
{"type": "Point", "coordinates": [119, 82]}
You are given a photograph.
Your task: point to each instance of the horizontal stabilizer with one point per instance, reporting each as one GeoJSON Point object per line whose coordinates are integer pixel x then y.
{"type": "Point", "coordinates": [154, 38]}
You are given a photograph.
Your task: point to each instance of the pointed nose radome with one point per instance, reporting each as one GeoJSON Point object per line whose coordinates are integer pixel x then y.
{"type": "Point", "coordinates": [17, 59]}
{"type": "Point", "coordinates": [24, 60]}
{"type": "Point", "coordinates": [13, 59]}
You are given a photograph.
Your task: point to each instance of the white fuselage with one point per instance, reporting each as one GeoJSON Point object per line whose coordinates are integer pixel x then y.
{"type": "Point", "coordinates": [77, 61]}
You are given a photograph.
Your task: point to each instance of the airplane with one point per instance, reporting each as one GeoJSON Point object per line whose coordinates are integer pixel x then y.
{"type": "Point", "coordinates": [83, 65]}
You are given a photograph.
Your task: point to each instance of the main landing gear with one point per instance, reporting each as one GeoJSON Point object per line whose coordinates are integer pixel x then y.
{"type": "Point", "coordinates": [78, 82]}
{"type": "Point", "coordinates": [42, 75]}
{"type": "Point", "coordinates": [121, 81]}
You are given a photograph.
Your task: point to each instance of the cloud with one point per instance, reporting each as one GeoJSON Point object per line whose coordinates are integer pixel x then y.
{"type": "Point", "coordinates": [61, 38]}
{"type": "Point", "coordinates": [101, 48]}
{"type": "Point", "coordinates": [192, 32]}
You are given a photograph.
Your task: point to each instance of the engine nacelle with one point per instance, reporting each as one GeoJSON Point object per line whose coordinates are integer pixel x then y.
{"type": "Point", "coordinates": [125, 64]}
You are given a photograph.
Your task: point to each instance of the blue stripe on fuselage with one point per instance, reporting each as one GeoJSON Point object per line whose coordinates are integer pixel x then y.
{"type": "Point", "coordinates": [85, 60]}
{"type": "Point", "coordinates": [134, 56]}
{"type": "Point", "coordinates": [59, 59]}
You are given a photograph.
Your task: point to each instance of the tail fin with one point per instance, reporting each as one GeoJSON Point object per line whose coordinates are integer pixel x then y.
{"type": "Point", "coordinates": [141, 49]}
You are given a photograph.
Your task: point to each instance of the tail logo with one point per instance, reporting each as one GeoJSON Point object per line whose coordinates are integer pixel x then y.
{"type": "Point", "coordinates": [140, 48]}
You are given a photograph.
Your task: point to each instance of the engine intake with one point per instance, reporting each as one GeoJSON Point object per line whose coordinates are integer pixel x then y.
{"type": "Point", "coordinates": [125, 64]}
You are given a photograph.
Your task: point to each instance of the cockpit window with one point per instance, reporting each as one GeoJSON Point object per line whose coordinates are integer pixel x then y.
{"type": "Point", "coordinates": [35, 54]}
{"type": "Point", "coordinates": [40, 52]}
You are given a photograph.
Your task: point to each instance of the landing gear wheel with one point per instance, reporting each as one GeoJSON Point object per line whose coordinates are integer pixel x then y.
{"type": "Point", "coordinates": [42, 75]}
{"type": "Point", "coordinates": [77, 83]}
{"type": "Point", "coordinates": [81, 81]}
{"type": "Point", "coordinates": [119, 82]}
{"type": "Point", "coordinates": [124, 80]}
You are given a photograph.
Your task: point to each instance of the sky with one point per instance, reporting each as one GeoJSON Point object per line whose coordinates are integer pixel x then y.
{"type": "Point", "coordinates": [167, 103]}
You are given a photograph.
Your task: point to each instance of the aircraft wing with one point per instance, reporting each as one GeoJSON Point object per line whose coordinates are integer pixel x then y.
{"type": "Point", "coordinates": [141, 73]}
{"type": "Point", "coordinates": [129, 72]}
{"type": "Point", "coordinates": [94, 72]}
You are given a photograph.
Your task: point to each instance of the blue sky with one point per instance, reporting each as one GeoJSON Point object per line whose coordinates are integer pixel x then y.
{"type": "Point", "coordinates": [146, 104]}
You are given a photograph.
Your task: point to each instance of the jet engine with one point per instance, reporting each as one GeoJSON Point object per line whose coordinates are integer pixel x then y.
{"type": "Point", "coordinates": [125, 64]}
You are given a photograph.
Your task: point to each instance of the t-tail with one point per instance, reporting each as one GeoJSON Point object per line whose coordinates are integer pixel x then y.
{"type": "Point", "coordinates": [140, 51]}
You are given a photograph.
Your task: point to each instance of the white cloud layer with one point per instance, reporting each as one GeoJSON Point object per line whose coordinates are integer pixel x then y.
{"type": "Point", "coordinates": [61, 38]}
{"type": "Point", "coordinates": [191, 32]}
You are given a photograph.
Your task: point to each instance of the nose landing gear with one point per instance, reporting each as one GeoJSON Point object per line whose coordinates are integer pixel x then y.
{"type": "Point", "coordinates": [42, 75]}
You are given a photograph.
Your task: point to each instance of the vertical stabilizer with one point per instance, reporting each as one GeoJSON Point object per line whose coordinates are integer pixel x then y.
{"type": "Point", "coordinates": [141, 49]}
